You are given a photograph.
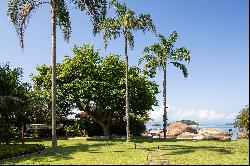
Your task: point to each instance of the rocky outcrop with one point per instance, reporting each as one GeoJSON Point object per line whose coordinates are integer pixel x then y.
{"type": "Point", "coordinates": [212, 131]}
{"type": "Point", "coordinates": [177, 128]}
{"type": "Point", "coordinates": [242, 134]}
{"type": "Point", "coordinates": [186, 135]}
{"type": "Point", "coordinates": [180, 130]}
{"type": "Point", "coordinates": [214, 134]}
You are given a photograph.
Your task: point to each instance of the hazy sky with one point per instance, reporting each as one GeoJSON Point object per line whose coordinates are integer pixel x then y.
{"type": "Point", "coordinates": [215, 31]}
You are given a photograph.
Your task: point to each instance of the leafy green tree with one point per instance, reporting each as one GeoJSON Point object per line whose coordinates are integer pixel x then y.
{"type": "Point", "coordinates": [160, 54]}
{"type": "Point", "coordinates": [14, 100]}
{"type": "Point", "coordinates": [95, 85]}
{"type": "Point", "coordinates": [20, 11]}
{"type": "Point", "coordinates": [242, 119]}
{"type": "Point", "coordinates": [125, 23]}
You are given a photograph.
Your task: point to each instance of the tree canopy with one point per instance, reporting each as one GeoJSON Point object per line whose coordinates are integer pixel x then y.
{"type": "Point", "coordinates": [14, 100]}
{"type": "Point", "coordinates": [95, 85]}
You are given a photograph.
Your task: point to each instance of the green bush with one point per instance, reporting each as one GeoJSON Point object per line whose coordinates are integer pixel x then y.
{"type": "Point", "coordinates": [242, 119]}
{"type": "Point", "coordinates": [7, 151]}
{"type": "Point", "coordinates": [136, 127]}
{"type": "Point", "coordinates": [8, 132]}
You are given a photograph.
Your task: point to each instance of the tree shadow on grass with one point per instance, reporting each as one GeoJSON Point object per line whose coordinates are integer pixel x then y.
{"type": "Point", "coordinates": [183, 149]}
{"type": "Point", "coordinates": [177, 149]}
{"type": "Point", "coordinates": [63, 152]}
{"type": "Point", "coordinates": [153, 140]}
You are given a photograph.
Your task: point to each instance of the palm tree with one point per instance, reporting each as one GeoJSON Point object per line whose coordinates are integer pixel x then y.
{"type": "Point", "coordinates": [124, 23]}
{"type": "Point", "coordinates": [162, 54]}
{"type": "Point", "coordinates": [20, 11]}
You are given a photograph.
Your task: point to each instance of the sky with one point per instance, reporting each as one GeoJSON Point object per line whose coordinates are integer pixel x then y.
{"type": "Point", "coordinates": [215, 31]}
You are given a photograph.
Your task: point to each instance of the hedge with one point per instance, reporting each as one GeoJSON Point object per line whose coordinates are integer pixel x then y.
{"type": "Point", "coordinates": [14, 150]}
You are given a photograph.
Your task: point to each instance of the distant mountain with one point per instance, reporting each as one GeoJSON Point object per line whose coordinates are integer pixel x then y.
{"type": "Point", "coordinates": [229, 124]}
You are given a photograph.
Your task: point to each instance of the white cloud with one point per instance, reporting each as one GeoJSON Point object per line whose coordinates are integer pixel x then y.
{"type": "Point", "coordinates": [203, 116]}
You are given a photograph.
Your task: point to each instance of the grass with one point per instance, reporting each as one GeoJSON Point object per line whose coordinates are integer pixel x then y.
{"type": "Point", "coordinates": [116, 152]}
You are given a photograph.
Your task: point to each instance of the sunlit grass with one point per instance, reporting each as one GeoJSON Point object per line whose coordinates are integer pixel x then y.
{"type": "Point", "coordinates": [119, 152]}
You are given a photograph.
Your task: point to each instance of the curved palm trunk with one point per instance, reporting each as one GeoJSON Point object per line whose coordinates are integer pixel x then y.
{"type": "Point", "coordinates": [127, 98]}
{"type": "Point", "coordinates": [53, 9]}
{"type": "Point", "coordinates": [164, 101]}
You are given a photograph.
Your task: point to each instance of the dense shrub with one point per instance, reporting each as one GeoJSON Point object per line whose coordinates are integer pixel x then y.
{"type": "Point", "coordinates": [91, 128]}
{"type": "Point", "coordinates": [7, 151]}
{"type": "Point", "coordinates": [14, 102]}
{"type": "Point", "coordinates": [83, 127]}
{"type": "Point", "coordinates": [136, 126]}
{"type": "Point", "coordinates": [7, 132]}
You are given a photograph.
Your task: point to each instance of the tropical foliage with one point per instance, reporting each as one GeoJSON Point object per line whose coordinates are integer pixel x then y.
{"type": "Point", "coordinates": [158, 55]}
{"type": "Point", "coordinates": [125, 22]}
{"type": "Point", "coordinates": [20, 11]}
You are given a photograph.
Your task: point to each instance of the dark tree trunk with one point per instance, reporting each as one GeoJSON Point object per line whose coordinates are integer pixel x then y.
{"type": "Point", "coordinates": [106, 130]}
{"type": "Point", "coordinates": [66, 133]}
{"type": "Point", "coordinates": [22, 133]}
{"type": "Point", "coordinates": [105, 125]}
{"type": "Point", "coordinates": [53, 9]}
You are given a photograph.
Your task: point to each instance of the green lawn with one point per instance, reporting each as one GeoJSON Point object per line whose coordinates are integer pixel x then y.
{"type": "Point", "coordinates": [119, 152]}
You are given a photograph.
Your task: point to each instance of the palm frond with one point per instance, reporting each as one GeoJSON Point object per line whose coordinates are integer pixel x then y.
{"type": "Point", "coordinates": [121, 9]}
{"type": "Point", "coordinates": [147, 57]}
{"type": "Point", "coordinates": [162, 39]}
{"type": "Point", "coordinates": [19, 12]}
{"type": "Point", "coordinates": [144, 22]}
{"type": "Point", "coordinates": [154, 48]}
{"type": "Point", "coordinates": [173, 37]}
{"type": "Point", "coordinates": [95, 8]}
{"type": "Point", "coordinates": [180, 54]}
{"type": "Point", "coordinates": [130, 38]}
{"type": "Point", "coordinates": [111, 27]}
{"type": "Point", "coordinates": [181, 67]}
{"type": "Point", "coordinates": [63, 19]}
{"type": "Point", "coordinates": [151, 65]}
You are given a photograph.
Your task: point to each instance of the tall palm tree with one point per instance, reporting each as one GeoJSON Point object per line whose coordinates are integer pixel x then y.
{"type": "Point", "coordinates": [20, 11]}
{"type": "Point", "coordinates": [124, 23]}
{"type": "Point", "coordinates": [163, 53]}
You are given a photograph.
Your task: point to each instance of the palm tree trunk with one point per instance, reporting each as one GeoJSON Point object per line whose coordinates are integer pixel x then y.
{"type": "Point", "coordinates": [164, 101]}
{"type": "Point", "coordinates": [53, 9]}
{"type": "Point", "coordinates": [127, 98]}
